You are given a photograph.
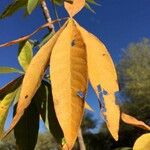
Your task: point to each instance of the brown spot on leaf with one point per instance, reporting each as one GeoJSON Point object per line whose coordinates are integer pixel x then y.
{"type": "Point", "coordinates": [26, 96]}
{"type": "Point", "coordinates": [73, 43]}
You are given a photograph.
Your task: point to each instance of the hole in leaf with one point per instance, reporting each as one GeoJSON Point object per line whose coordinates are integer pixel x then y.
{"type": "Point", "coordinates": [99, 88]}
{"type": "Point", "coordinates": [80, 94]}
{"type": "Point", "coordinates": [101, 98]}
{"type": "Point", "coordinates": [105, 92]}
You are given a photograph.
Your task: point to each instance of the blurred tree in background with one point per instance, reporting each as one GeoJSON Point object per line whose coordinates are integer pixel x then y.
{"type": "Point", "coordinates": [134, 76]}
{"type": "Point", "coordinates": [46, 142]}
{"type": "Point", "coordinates": [8, 143]}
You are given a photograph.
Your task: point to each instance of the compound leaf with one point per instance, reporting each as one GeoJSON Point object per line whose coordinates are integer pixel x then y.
{"type": "Point", "coordinates": [33, 78]}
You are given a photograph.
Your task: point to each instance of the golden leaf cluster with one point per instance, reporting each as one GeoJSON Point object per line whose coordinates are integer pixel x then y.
{"type": "Point", "coordinates": [75, 57]}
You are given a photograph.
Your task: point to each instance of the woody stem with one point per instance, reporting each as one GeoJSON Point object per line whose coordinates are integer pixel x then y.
{"type": "Point", "coordinates": [47, 15]}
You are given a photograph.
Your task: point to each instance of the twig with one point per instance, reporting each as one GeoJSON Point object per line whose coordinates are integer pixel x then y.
{"type": "Point", "coordinates": [34, 32]}
{"type": "Point", "coordinates": [47, 14]}
{"type": "Point", "coordinates": [55, 12]}
{"type": "Point", "coordinates": [81, 140]}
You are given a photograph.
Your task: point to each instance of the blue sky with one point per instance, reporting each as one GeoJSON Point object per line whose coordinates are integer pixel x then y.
{"type": "Point", "coordinates": [116, 22]}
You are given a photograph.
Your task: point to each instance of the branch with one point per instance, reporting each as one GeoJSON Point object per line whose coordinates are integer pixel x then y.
{"type": "Point", "coordinates": [47, 14]}
{"type": "Point", "coordinates": [81, 140]}
{"type": "Point", "coordinates": [55, 12]}
{"type": "Point", "coordinates": [34, 32]}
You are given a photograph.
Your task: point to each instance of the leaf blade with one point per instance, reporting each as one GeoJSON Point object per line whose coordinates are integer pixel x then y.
{"type": "Point", "coordinates": [46, 108]}
{"type": "Point", "coordinates": [45, 39]}
{"type": "Point", "coordinates": [133, 121]}
{"type": "Point", "coordinates": [102, 73]}
{"type": "Point", "coordinates": [12, 8]}
{"type": "Point", "coordinates": [58, 2]}
{"type": "Point", "coordinates": [75, 7]}
{"type": "Point", "coordinates": [92, 2]}
{"type": "Point", "coordinates": [142, 143]}
{"type": "Point", "coordinates": [71, 61]}
{"type": "Point", "coordinates": [25, 54]}
{"type": "Point", "coordinates": [26, 131]}
{"type": "Point", "coordinates": [31, 5]}
{"type": "Point", "coordinates": [89, 8]}
{"type": "Point", "coordinates": [7, 94]}
{"type": "Point", "coordinates": [4, 70]}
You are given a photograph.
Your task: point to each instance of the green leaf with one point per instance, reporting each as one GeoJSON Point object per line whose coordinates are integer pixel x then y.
{"type": "Point", "coordinates": [26, 130]}
{"type": "Point", "coordinates": [4, 70]}
{"type": "Point", "coordinates": [89, 7]}
{"type": "Point", "coordinates": [12, 8]}
{"type": "Point", "coordinates": [45, 106]}
{"type": "Point", "coordinates": [17, 96]}
{"type": "Point", "coordinates": [45, 39]}
{"type": "Point", "coordinates": [31, 5]}
{"type": "Point", "coordinates": [25, 54]}
{"type": "Point", "coordinates": [58, 2]}
{"type": "Point", "coordinates": [7, 94]}
{"type": "Point", "coordinates": [92, 2]}
{"type": "Point", "coordinates": [8, 88]}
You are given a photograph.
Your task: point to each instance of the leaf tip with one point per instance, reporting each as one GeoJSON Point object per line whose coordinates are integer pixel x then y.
{"type": "Point", "coordinates": [74, 7]}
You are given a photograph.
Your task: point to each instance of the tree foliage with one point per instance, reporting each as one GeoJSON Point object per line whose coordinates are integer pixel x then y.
{"type": "Point", "coordinates": [134, 74]}
{"type": "Point", "coordinates": [134, 78]}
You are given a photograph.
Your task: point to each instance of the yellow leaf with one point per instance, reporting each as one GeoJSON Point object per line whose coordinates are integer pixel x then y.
{"type": "Point", "coordinates": [133, 121]}
{"type": "Point", "coordinates": [68, 76]}
{"type": "Point", "coordinates": [75, 7]}
{"type": "Point", "coordinates": [33, 77]}
{"type": "Point", "coordinates": [142, 143]}
{"type": "Point", "coordinates": [88, 107]}
{"type": "Point", "coordinates": [101, 72]}
{"type": "Point", "coordinates": [7, 94]}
